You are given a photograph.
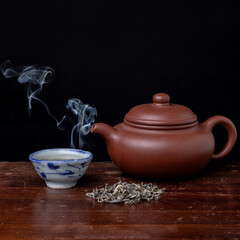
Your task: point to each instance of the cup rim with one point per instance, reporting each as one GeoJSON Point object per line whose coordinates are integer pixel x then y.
{"type": "Point", "coordinates": [88, 158]}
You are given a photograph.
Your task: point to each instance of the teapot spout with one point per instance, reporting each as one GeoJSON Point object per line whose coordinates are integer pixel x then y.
{"type": "Point", "coordinates": [107, 132]}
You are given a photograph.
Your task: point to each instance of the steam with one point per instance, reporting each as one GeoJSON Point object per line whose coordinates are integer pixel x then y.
{"type": "Point", "coordinates": [35, 77]}
{"type": "Point", "coordinates": [86, 116]}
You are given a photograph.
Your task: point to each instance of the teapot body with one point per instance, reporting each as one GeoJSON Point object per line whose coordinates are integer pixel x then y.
{"type": "Point", "coordinates": [161, 153]}
{"type": "Point", "coordinates": [162, 140]}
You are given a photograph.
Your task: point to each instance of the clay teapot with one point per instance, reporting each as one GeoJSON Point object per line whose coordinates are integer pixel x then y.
{"type": "Point", "coordinates": [162, 140]}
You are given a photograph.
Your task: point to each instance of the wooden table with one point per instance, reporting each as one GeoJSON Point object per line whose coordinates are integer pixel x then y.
{"type": "Point", "coordinates": [206, 206]}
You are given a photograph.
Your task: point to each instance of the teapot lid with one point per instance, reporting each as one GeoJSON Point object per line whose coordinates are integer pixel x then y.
{"type": "Point", "coordinates": [160, 113]}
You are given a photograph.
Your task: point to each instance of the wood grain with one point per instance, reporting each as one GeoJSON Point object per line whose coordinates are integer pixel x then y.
{"type": "Point", "coordinates": [206, 206]}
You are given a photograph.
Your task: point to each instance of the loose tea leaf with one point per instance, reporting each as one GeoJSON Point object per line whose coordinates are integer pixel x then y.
{"type": "Point", "coordinates": [128, 193]}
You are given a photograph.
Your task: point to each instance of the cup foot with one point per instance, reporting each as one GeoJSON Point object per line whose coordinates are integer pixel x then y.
{"type": "Point", "coordinates": [60, 185]}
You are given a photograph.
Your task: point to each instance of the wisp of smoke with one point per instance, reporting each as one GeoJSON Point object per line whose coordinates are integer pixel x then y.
{"type": "Point", "coordinates": [35, 77]}
{"type": "Point", "coordinates": [86, 116]}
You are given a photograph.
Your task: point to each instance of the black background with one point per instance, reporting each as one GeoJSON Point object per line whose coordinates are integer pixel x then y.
{"type": "Point", "coordinates": [115, 55]}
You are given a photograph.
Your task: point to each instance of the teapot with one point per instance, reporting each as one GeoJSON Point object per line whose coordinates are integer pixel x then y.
{"type": "Point", "coordinates": [163, 140]}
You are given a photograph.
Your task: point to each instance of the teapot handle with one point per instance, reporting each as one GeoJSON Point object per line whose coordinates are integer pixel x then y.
{"type": "Point", "coordinates": [232, 134]}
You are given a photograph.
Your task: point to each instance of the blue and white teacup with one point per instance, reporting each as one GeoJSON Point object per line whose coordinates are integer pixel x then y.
{"type": "Point", "coordinates": [61, 167]}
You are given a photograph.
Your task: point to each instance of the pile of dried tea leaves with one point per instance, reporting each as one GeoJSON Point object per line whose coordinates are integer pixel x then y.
{"type": "Point", "coordinates": [128, 193]}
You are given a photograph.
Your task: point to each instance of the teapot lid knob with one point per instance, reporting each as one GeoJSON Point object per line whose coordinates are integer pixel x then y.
{"type": "Point", "coordinates": [161, 99]}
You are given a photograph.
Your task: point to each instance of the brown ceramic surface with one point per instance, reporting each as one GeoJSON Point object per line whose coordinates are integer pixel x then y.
{"type": "Point", "coordinates": [161, 140]}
